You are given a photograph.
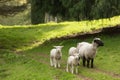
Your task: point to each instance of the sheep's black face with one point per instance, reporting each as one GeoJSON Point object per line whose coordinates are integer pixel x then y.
{"type": "Point", "coordinates": [99, 42]}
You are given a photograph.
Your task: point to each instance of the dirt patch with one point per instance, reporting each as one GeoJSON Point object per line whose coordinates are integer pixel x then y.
{"type": "Point", "coordinates": [83, 77]}
{"type": "Point", "coordinates": [43, 55]}
{"type": "Point", "coordinates": [111, 30]}
{"type": "Point", "coordinates": [108, 73]}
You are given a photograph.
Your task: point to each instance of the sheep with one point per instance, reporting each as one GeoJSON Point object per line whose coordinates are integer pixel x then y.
{"type": "Point", "coordinates": [73, 63]}
{"type": "Point", "coordinates": [55, 56]}
{"type": "Point", "coordinates": [87, 51]}
{"type": "Point", "coordinates": [72, 51]}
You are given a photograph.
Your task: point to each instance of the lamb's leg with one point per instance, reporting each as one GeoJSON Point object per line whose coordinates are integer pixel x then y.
{"type": "Point", "coordinates": [88, 61]}
{"type": "Point", "coordinates": [72, 69]}
{"type": "Point", "coordinates": [55, 63]}
{"type": "Point", "coordinates": [84, 61]}
{"type": "Point", "coordinates": [58, 63]}
{"type": "Point", "coordinates": [92, 60]}
{"type": "Point", "coordinates": [67, 68]}
{"type": "Point", "coordinates": [51, 61]}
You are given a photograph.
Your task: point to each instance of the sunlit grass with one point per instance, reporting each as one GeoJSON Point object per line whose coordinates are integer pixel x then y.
{"type": "Point", "coordinates": [18, 37]}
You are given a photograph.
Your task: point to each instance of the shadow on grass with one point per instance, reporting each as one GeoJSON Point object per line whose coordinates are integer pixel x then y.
{"type": "Point", "coordinates": [17, 37]}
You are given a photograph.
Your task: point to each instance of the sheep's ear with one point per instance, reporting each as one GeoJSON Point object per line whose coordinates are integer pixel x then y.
{"type": "Point", "coordinates": [58, 46]}
{"type": "Point", "coordinates": [62, 46]}
{"type": "Point", "coordinates": [96, 38]}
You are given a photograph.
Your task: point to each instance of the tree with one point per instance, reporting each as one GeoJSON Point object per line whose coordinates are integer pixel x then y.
{"type": "Point", "coordinates": [74, 9]}
{"type": "Point", "coordinates": [105, 8]}
{"type": "Point", "coordinates": [41, 7]}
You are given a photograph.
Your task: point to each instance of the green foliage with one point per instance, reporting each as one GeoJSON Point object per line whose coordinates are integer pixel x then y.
{"type": "Point", "coordinates": [37, 13]}
{"type": "Point", "coordinates": [74, 9]}
{"type": "Point", "coordinates": [105, 8]}
{"type": "Point", "coordinates": [40, 7]}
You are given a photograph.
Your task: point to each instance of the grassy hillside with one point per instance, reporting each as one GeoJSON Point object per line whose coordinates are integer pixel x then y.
{"type": "Point", "coordinates": [18, 37]}
{"type": "Point", "coordinates": [24, 51]}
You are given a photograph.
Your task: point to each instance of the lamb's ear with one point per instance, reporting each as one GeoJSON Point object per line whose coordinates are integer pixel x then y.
{"type": "Point", "coordinates": [95, 37]}
{"type": "Point", "coordinates": [55, 46]}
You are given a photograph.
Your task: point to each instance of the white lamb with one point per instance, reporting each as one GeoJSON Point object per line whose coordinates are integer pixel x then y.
{"type": "Point", "coordinates": [55, 56]}
{"type": "Point", "coordinates": [72, 51]}
{"type": "Point", "coordinates": [87, 51]}
{"type": "Point", "coordinates": [73, 63]}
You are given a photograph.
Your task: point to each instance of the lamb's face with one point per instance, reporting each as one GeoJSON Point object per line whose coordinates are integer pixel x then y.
{"type": "Point", "coordinates": [58, 48]}
{"type": "Point", "coordinates": [77, 58]}
{"type": "Point", "coordinates": [99, 42]}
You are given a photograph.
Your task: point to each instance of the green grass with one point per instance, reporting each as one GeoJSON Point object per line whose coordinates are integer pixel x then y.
{"type": "Point", "coordinates": [34, 64]}
{"type": "Point", "coordinates": [24, 51]}
{"type": "Point", "coordinates": [24, 68]}
{"type": "Point", "coordinates": [18, 37]}
{"type": "Point", "coordinates": [107, 63]}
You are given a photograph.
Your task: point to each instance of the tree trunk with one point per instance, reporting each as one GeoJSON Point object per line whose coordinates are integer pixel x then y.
{"type": "Point", "coordinates": [49, 18]}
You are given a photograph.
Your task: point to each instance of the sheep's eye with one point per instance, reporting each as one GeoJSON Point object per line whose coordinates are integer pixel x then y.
{"type": "Point", "coordinates": [100, 43]}
{"type": "Point", "coordinates": [97, 41]}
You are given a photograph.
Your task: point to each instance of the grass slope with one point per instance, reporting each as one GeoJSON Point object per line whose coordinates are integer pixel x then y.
{"type": "Point", "coordinates": [18, 37]}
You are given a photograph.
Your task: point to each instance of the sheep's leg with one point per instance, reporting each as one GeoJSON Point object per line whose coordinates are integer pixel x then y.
{"type": "Point", "coordinates": [72, 69]}
{"type": "Point", "coordinates": [76, 69]}
{"type": "Point", "coordinates": [58, 63]}
{"type": "Point", "coordinates": [55, 63]}
{"type": "Point", "coordinates": [92, 60]}
{"type": "Point", "coordinates": [67, 68]}
{"type": "Point", "coordinates": [88, 61]}
{"type": "Point", "coordinates": [84, 61]}
{"type": "Point", "coordinates": [51, 61]}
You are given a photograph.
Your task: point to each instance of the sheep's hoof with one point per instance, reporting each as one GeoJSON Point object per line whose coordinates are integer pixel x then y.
{"type": "Point", "coordinates": [58, 66]}
{"type": "Point", "coordinates": [76, 72]}
{"type": "Point", "coordinates": [72, 72]}
{"type": "Point", "coordinates": [88, 67]}
{"type": "Point", "coordinates": [84, 65]}
{"type": "Point", "coordinates": [92, 67]}
{"type": "Point", "coordinates": [55, 66]}
{"type": "Point", "coordinates": [52, 65]}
